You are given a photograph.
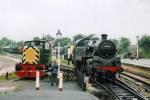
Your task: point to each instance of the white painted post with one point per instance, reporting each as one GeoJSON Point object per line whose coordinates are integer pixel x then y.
{"type": "Point", "coordinates": [86, 79]}
{"type": "Point", "coordinates": [60, 81]}
{"type": "Point", "coordinates": [58, 60]}
{"type": "Point", "coordinates": [37, 83]}
{"type": "Point", "coordinates": [58, 34]}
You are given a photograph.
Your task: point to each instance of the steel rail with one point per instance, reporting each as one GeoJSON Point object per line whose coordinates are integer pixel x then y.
{"type": "Point", "coordinates": [127, 87]}
{"type": "Point", "coordinates": [106, 88]}
{"type": "Point", "coordinates": [124, 74]}
{"type": "Point", "coordinates": [121, 87]}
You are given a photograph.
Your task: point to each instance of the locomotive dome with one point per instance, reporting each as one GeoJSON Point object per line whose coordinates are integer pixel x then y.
{"type": "Point", "coordinates": [106, 49]}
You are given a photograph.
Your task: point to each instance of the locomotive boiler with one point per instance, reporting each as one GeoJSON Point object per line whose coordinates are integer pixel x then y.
{"type": "Point", "coordinates": [36, 56]}
{"type": "Point", "coordinates": [97, 57]}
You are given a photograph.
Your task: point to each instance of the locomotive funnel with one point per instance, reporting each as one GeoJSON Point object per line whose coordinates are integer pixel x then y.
{"type": "Point", "coordinates": [104, 37]}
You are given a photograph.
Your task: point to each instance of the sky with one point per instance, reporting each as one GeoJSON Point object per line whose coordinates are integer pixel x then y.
{"type": "Point", "coordinates": [24, 19]}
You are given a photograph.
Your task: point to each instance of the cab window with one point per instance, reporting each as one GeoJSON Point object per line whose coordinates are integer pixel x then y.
{"type": "Point", "coordinates": [47, 46]}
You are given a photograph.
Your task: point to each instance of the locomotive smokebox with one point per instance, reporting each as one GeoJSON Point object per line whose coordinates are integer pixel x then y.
{"type": "Point", "coordinates": [104, 37]}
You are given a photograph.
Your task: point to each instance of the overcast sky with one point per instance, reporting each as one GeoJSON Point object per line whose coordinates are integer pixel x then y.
{"type": "Point", "coordinates": [23, 19]}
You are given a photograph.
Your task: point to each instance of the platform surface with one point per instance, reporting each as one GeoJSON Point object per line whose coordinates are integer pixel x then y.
{"type": "Point", "coordinates": [71, 91]}
{"type": "Point", "coordinates": [7, 64]}
{"type": "Point", "coordinates": [140, 62]}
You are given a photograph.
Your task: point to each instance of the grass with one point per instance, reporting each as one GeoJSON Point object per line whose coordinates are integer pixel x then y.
{"type": "Point", "coordinates": [65, 63]}
{"type": "Point", "coordinates": [10, 76]}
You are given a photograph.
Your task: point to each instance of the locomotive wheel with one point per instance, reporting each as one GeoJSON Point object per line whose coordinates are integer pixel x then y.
{"type": "Point", "coordinates": [111, 76]}
{"type": "Point", "coordinates": [98, 76]}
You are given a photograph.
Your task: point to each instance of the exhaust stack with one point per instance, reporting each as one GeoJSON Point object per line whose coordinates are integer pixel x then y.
{"type": "Point", "coordinates": [104, 37]}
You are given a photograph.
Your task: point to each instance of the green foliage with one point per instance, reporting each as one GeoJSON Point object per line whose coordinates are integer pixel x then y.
{"type": "Point", "coordinates": [63, 41]}
{"type": "Point", "coordinates": [116, 42]}
{"type": "Point", "coordinates": [65, 63]}
{"type": "Point", "coordinates": [20, 43]}
{"type": "Point", "coordinates": [5, 42]}
{"type": "Point", "coordinates": [10, 76]}
{"type": "Point", "coordinates": [77, 37]}
{"type": "Point", "coordinates": [144, 43]}
{"type": "Point", "coordinates": [36, 38]}
{"type": "Point", "coordinates": [124, 44]}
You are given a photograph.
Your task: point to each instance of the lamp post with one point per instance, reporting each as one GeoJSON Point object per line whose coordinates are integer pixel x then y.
{"type": "Point", "coordinates": [137, 48]}
{"type": "Point", "coordinates": [58, 35]}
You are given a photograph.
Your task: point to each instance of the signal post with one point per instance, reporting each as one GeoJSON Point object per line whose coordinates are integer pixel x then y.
{"type": "Point", "coordinates": [60, 73]}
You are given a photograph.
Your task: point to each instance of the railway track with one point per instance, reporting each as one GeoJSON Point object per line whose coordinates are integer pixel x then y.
{"type": "Point", "coordinates": [137, 78]}
{"type": "Point", "coordinates": [118, 90]}
{"type": "Point", "coordinates": [121, 91]}
{"type": "Point", "coordinates": [139, 83]}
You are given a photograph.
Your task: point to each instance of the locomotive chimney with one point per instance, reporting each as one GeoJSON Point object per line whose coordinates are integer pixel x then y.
{"type": "Point", "coordinates": [104, 37]}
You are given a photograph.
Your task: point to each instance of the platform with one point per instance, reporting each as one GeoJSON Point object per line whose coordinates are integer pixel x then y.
{"type": "Point", "coordinates": [139, 67]}
{"type": "Point", "coordinates": [140, 62]}
{"type": "Point", "coordinates": [71, 91]}
{"type": "Point", "coordinates": [7, 64]}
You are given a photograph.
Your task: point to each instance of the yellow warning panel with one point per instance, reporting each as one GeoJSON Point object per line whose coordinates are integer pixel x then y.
{"type": "Point", "coordinates": [31, 55]}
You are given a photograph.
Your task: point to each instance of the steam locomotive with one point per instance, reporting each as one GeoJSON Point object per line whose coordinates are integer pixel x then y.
{"type": "Point", "coordinates": [97, 58]}
{"type": "Point", "coordinates": [36, 56]}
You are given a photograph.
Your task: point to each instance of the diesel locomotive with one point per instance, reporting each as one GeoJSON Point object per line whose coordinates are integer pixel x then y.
{"type": "Point", "coordinates": [97, 57]}
{"type": "Point", "coordinates": [36, 56]}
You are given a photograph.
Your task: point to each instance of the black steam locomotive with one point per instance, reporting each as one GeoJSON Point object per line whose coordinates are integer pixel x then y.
{"type": "Point", "coordinates": [97, 58]}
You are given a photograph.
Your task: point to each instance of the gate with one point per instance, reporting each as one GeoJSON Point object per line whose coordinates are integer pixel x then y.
{"type": "Point", "coordinates": [68, 74]}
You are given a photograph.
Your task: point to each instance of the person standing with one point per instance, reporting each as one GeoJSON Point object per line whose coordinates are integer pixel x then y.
{"type": "Point", "coordinates": [54, 70]}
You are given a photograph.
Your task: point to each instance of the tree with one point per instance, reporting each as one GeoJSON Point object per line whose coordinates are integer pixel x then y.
{"type": "Point", "coordinates": [77, 37]}
{"type": "Point", "coordinates": [36, 38]}
{"type": "Point", "coordinates": [5, 42]}
{"type": "Point", "coordinates": [63, 41]}
{"type": "Point", "coordinates": [116, 42]}
{"type": "Point", "coordinates": [124, 44]}
{"type": "Point", "coordinates": [20, 43]}
{"type": "Point", "coordinates": [144, 43]}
